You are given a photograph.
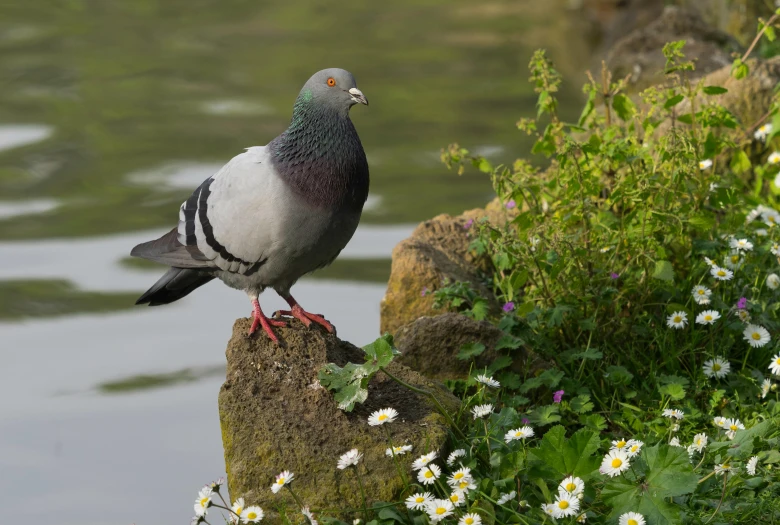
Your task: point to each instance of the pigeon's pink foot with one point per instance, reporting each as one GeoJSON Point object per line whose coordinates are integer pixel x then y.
{"type": "Point", "coordinates": [261, 320]}
{"type": "Point", "coordinates": [303, 316]}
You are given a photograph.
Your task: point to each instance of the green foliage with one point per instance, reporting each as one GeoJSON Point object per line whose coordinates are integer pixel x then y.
{"type": "Point", "coordinates": [350, 383]}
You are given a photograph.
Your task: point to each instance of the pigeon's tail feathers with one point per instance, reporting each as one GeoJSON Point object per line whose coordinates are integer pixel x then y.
{"type": "Point", "coordinates": [173, 285]}
{"type": "Point", "coordinates": [168, 250]}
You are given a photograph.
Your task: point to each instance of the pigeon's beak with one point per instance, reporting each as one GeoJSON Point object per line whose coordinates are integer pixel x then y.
{"type": "Point", "coordinates": [357, 96]}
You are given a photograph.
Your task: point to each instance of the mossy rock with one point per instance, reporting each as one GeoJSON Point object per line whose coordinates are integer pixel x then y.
{"type": "Point", "coordinates": [275, 416]}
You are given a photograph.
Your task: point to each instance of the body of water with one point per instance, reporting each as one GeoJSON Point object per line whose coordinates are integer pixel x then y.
{"type": "Point", "coordinates": [111, 112]}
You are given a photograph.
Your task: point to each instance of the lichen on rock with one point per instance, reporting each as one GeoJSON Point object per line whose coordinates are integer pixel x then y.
{"type": "Point", "coordinates": [275, 416]}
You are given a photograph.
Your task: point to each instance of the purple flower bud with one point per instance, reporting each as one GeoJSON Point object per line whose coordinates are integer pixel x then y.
{"type": "Point", "coordinates": [526, 421]}
{"type": "Point", "coordinates": [508, 307]}
{"type": "Point", "coordinates": [511, 204]}
{"type": "Point", "coordinates": [614, 275]}
{"type": "Point", "coordinates": [424, 291]}
{"type": "Point", "coordinates": [558, 396]}
{"type": "Point", "coordinates": [468, 224]}
{"type": "Point", "coordinates": [742, 303]}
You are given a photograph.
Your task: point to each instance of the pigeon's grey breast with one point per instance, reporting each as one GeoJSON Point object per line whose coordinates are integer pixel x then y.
{"type": "Point", "coordinates": [257, 230]}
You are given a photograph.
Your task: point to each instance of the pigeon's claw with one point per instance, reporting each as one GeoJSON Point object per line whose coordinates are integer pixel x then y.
{"type": "Point", "coordinates": [303, 316]}
{"type": "Point", "coordinates": [261, 320]}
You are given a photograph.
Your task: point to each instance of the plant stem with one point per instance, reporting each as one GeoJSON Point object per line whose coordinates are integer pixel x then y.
{"type": "Point", "coordinates": [295, 497]}
{"type": "Point", "coordinates": [395, 459]}
{"type": "Point", "coordinates": [362, 493]}
{"type": "Point", "coordinates": [723, 495]}
{"type": "Point", "coordinates": [758, 37]}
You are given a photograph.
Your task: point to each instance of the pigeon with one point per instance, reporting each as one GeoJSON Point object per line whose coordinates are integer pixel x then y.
{"type": "Point", "coordinates": [273, 213]}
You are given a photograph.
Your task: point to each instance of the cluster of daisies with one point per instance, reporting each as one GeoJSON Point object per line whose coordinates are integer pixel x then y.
{"type": "Point", "coordinates": [755, 335]}
{"type": "Point", "coordinates": [238, 511]}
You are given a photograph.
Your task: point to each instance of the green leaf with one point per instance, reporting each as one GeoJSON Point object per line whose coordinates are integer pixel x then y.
{"type": "Point", "coordinates": [663, 271]}
{"type": "Point", "coordinates": [673, 390]}
{"type": "Point", "coordinates": [544, 415]}
{"type": "Point", "coordinates": [618, 375]}
{"type": "Point", "coordinates": [739, 69]}
{"type": "Point", "coordinates": [623, 106]}
{"type": "Point", "coordinates": [669, 474]}
{"type": "Point", "coordinates": [581, 404]}
{"type": "Point", "coordinates": [590, 353]}
{"type": "Point", "coordinates": [714, 90]}
{"type": "Point", "coordinates": [589, 107]}
{"type": "Point", "coordinates": [381, 351]}
{"type": "Point", "coordinates": [740, 162]}
{"type": "Point", "coordinates": [702, 221]}
{"type": "Point", "coordinates": [574, 456]}
{"type": "Point", "coordinates": [470, 350]}
{"type": "Point", "coordinates": [508, 342]}
{"type": "Point", "coordinates": [511, 464]}
{"type": "Point", "coordinates": [673, 101]}
{"type": "Point", "coordinates": [389, 513]}
{"type": "Point", "coordinates": [595, 422]}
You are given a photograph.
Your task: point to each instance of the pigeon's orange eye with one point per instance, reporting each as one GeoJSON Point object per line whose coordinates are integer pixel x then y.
{"type": "Point", "coordinates": [331, 81]}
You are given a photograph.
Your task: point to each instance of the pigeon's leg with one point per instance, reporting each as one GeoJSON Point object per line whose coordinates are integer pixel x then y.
{"type": "Point", "coordinates": [261, 320]}
{"type": "Point", "coordinates": [302, 315]}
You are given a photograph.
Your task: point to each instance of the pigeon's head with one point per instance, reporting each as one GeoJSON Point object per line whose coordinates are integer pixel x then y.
{"type": "Point", "coordinates": [335, 88]}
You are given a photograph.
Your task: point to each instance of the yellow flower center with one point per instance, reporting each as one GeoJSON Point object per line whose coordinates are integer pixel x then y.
{"type": "Point", "coordinates": [677, 318]}
{"type": "Point", "coordinates": [721, 273]}
{"type": "Point", "coordinates": [771, 218]}
{"type": "Point", "coordinates": [440, 510]}
{"type": "Point", "coordinates": [563, 504]}
{"type": "Point", "coordinates": [756, 336]}
{"type": "Point", "coordinates": [454, 498]}
{"type": "Point", "coordinates": [239, 510]}
{"type": "Point", "coordinates": [204, 502]}
{"type": "Point", "coordinates": [382, 417]}
{"type": "Point", "coordinates": [777, 361]}
{"type": "Point", "coordinates": [634, 448]}
{"type": "Point", "coordinates": [519, 433]}
{"type": "Point", "coordinates": [429, 474]}
{"type": "Point", "coordinates": [458, 475]}
{"type": "Point", "coordinates": [620, 444]}
{"type": "Point", "coordinates": [469, 521]}
{"type": "Point", "coordinates": [280, 481]}
{"type": "Point", "coordinates": [617, 462]}
{"type": "Point", "coordinates": [570, 487]}
{"type": "Point", "coordinates": [733, 427]}
{"type": "Point", "coordinates": [633, 522]}
{"type": "Point", "coordinates": [716, 367]}
{"type": "Point", "coordinates": [419, 499]}
{"type": "Point", "coordinates": [251, 515]}
{"type": "Point", "coordinates": [708, 317]}
{"type": "Point", "coordinates": [463, 484]}
{"type": "Point", "coordinates": [701, 292]}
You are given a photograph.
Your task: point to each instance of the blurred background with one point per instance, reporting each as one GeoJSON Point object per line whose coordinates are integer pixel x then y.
{"type": "Point", "coordinates": [112, 112]}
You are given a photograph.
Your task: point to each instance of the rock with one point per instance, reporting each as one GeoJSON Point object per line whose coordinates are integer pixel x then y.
{"type": "Point", "coordinates": [430, 345]}
{"type": "Point", "coordinates": [275, 416]}
{"type": "Point", "coordinates": [437, 250]}
{"type": "Point", "coordinates": [639, 54]}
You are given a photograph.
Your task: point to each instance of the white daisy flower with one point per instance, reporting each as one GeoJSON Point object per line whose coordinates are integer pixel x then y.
{"type": "Point", "coordinates": [619, 444]}
{"type": "Point", "coordinates": [487, 381]}
{"type": "Point", "coordinates": [675, 442]}
{"type": "Point", "coordinates": [203, 502]}
{"type": "Point", "coordinates": [566, 505]}
{"type": "Point", "coordinates": [701, 294]}
{"type": "Point", "coordinates": [283, 478]}
{"type": "Point", "coordinates": [504, 498]}
{"type": "Point", "coordinates": [772, 281]}
{"type": "Point", "coordinates": [465, 485]}
{"type": "Point", "coordinates": [723, 468]}
{"type": "Point", "coordinates": [713, 186]}
{"type": "Point", "coordinates": [458, 498]}
{"type": "Point", "coordinates": [605, 249]}
{"type": "Point", "coordinates": [707, 317]}
{"type": "Point", "coordinates": [733, 260]}
{"type": "Point", "coordinates": [349, 459]}
{"type": "Point", "coordinates": [742, 245]}
{"type": "Point", "coordinates": [634, 447]}
{"type": "Point", "coordinates": [631, 518]}
{"type": "Point", "coordinates": [762, 232]}
{"type": "Point", "coordinates": [462, 474]}
{"type": "Point", "coordinates": [398, 451]}
{"type": "Point", "coordinates": [428, 475]}
{"type": "Point", "coordinates": [705, 164]}
{"type": "Point", "coordinates": [582, 518]}
{"type": "Point", "coordinates": [763, 132]}
{"type": "Point", "coordinates": [677, 320]}
{"type": "Point", "coordinates": [454, 455]}
{"type": "Point", "coordinates": [673, 413]}
{"type": "Point", "coordinates": [615, 462]}
{"type": "Point", "coordinates": [519, 433]}
{"type": "Point", "coordinates": [549, 509]}
{"type": "Point", "coordinates": [482, 410]}
{"type": "Point", "coordinates": [774, 366]}
{"type": "Point", "coordinates": [419, 501]}
{"type": "Point", "coordinates": [717, 367]}
{"type": "Point", "coordinates": [751, 465]}
{"type": "Point", "coordinates": [773, 158]}
{"type": "Point", "coordinates": [756, 335]}
{"type": "Point", "coordinates": [743, 315]}
{"type": "Point", "coordinates": [732, 425]}
{"type": "Point", "coordinates": [572, 485]}
{"type": "Point", "coordinates": [770, 217]}
{"type": "Point", "coordinates": [309, 516]}
{"type": "Point", "coordinates": [699, 442]}
{"type": "Point", "coordinates": [470, 519]}
{"type": "Point", "coordinates": [424, 460]}
{"type": "Point", "coordinates": [675, 427]}
{"type": "Point", "coordinates": [252, 514]}
{"type": "Point", "coordinates": [765, 387]}
{"type": "Point", "coordinates": [236, 509]}
{"type": "Point", "coordinates": [720, 422]}
{"type": "Point", "coordinates": [215, 485]}
{"type": "Point", "coordinates": [721, 274]}
{"type": "Point", "coordinates": [709, 262]}
{"type": "Point", "coordinates": [380, 417]}
{"type": "Point", "coordinates": [439, 509]}
{"type": "Point", "coordinates": [775, 249]}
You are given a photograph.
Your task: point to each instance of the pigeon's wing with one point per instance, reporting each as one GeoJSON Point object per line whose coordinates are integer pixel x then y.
{"type": "Point", "coordinates": [233, 218]}
{"type": "Point", "coordinates": [168, 250]}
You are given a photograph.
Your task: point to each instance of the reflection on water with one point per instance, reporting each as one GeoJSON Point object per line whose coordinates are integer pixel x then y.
{"type": "Point", "coordinates": [112, 112]}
